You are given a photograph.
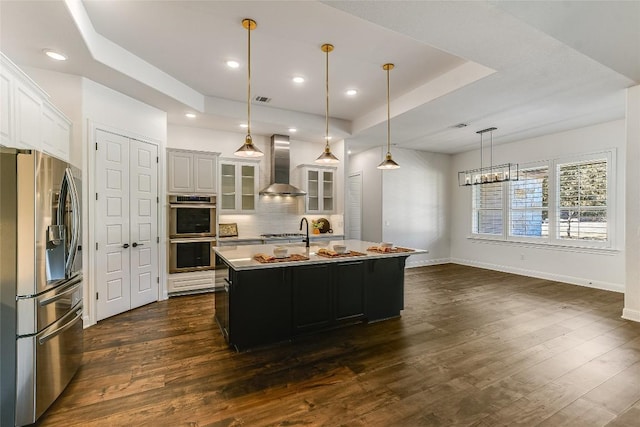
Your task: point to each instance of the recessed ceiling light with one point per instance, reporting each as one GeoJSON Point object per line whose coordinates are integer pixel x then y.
{"type": "Point", "coordinates": [190, 115]}
{"type": "Point", "coordinates": [298, 79]}
{"type": "Point", "coordinates": [244, 125]}
{"type": "Point", "coordinates": [351, 92]}
{"type": "Point", "coordinates": [55, 55]}
{"type": "Point", "coordinates": [233, 64]}
{"type": "Point", "coordinates": [292, 130]}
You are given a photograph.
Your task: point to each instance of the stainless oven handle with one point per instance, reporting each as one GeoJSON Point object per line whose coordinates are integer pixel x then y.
{"type": "Point", "coordinates": [61, 329]}
{"type": "Point", "coordinates": [194, 240]}
{"type": "Point", "coordinates": [191, 206]}
{"type": "Point", "coordinates": [72, 288]}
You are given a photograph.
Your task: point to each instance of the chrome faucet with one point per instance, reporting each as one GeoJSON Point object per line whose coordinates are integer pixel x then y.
{"type": "Point", "coordinates": [306, 239]}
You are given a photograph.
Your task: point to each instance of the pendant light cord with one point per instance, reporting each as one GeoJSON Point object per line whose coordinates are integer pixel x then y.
{"type": "Point", "coordinates": [388, 114]}
{"type": "Point", "coordinates": [249, 79]}
{"type": "Point", "coordinates": [481, 156]}
{"type": "Point", "coordinates": [491, 156]}
{"type": "Point", "coordinates": [326, 117]}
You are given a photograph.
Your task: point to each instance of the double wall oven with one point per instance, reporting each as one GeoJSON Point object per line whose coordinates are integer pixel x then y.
{"type": "Point", "coordinates": [192, 232]}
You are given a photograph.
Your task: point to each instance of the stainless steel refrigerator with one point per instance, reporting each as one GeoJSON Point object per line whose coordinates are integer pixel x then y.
{"type": "Point", "coordinates": [40, 282]}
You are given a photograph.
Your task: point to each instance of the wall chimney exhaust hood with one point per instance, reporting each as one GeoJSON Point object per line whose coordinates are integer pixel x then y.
{"type": "Point", "coordinates": [280, 164]}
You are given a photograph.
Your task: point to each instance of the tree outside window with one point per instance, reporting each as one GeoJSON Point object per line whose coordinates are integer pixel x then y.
{"type": "Point", "coordinates": [582, 200]}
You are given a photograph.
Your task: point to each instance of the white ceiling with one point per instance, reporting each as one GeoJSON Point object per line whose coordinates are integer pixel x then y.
{"type": "Point", "coordinates": [527, 68]}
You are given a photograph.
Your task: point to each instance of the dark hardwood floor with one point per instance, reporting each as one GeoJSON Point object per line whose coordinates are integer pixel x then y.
{"type": "Point", "coordinates": [473, 347]}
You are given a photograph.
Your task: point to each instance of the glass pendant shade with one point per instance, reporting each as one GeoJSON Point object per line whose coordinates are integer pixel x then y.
{"type": "Point", "coordinates": [248, 149]}
{"type": "Point", "coordinates": [327, 156]}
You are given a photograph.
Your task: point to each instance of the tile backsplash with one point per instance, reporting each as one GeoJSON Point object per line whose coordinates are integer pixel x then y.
{"type": "Point", "coordinates": [279, 214]}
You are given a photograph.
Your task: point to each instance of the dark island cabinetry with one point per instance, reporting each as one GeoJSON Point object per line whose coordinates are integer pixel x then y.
{"type": "Point", "coordinates": [326, 295]}
{"type": "Point", "coordinates": [385, 289]}
{"type": "Point", "coordinates": [312, 296]}
{"type": "Point", "coordinates": [255, 307]}
{"type": "Point", "coordinates": [267, 305]}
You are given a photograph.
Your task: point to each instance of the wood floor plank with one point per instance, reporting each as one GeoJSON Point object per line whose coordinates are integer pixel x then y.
{"type": "Point", "coordinates": [473, 347]}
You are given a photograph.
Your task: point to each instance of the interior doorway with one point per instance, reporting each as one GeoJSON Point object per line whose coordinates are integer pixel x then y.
{"type": "Point", "coordinates": [354, 200]}
{"type": "Point", "coordinates": [126, 223]}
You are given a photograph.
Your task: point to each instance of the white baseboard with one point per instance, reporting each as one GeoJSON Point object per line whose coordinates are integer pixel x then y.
{"type": "Point", "coordinates": [629, 314]}
{"type": "Point", "coordinates": [86, 322]}
{"type": "Point", "coordinates": [426, 262]}
{"type": "Point", "coordinates": [606, 286]}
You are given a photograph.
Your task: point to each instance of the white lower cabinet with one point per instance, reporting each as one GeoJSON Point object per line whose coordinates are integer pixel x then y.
{"type": "Point", "coordinates": [191, 283]}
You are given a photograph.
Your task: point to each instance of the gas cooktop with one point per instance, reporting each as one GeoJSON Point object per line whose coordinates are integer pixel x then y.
{"type": "Point", "coordinates": [283, 235]}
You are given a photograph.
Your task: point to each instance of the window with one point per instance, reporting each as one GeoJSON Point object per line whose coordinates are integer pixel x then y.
{"type": "Point", "coordinates": [582, 200]}
{"type": "Point", "coordinates": [529, 204]}
{"type": "Point", "coordinates": [560, 202]}
{"type": "Point", "coordinates": [487, 209]}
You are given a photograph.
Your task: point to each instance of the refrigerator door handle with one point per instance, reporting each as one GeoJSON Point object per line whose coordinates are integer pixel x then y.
{"type": "Point", "coordinates": [68, 185]}
{"type": "Point", "coordinates": [71, 289]}
{"type": "Point", "coordinates": [61, 329]}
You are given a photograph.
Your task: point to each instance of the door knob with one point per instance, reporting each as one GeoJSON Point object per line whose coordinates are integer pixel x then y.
{"type": "Point", "coordinates": [135, 244]}
{"type": "Point", "coordinates": [126, 245]}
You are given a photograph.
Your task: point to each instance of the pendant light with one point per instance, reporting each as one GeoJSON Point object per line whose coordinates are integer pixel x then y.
{"type": "Point", "coordinates": [327, 156]}
{"type": "Point", "coordinates": [388, 162]}
{"type": "Point", "coordinates": [488, 174]}
{"type": "Point", "coordinates": [248, 149]}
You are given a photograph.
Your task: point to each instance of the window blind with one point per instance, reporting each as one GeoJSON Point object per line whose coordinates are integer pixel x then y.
{"type": "Point", "coordinates": [487, 209]}
{"type": "Point", "coordinates": [529, 203]}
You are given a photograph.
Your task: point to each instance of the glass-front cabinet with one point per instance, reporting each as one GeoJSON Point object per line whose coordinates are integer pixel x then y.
{"type": "Point", "coordinates": [319, 183]}
{"type": "Point", "coordinates": [238, 186]}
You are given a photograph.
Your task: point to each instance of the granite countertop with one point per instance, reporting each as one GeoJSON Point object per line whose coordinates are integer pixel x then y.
{"type": "Point", "coordinates": [241, 257]}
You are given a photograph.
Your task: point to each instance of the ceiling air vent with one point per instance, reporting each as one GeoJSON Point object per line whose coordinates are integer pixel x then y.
{"type": "Point", "coordinates": [262, 99]}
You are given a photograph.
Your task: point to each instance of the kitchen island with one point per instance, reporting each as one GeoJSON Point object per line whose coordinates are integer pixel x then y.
{"type": "Point", "coordinates": [277, 300]}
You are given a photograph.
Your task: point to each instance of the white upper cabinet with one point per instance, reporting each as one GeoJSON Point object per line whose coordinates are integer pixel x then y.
{"type": "Point", "coordinates": [55, 132]}
{"type": "Point", "coordinates": [205, 173]}
{"type": "Point", "coordinates": [7, 130]}
{"type": "Point", "coordinates": [27, 117]}
{"type": "Point", "coordinates": [319, 183]}
{"type": "Point", "coordinates": [192, 172]}
{"type": "Point", "coordinates": [238, 186]}
{"type": "Point", "coordinates": [28, 110]}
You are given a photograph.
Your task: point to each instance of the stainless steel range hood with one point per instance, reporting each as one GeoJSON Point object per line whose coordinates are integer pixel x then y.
{"type": "Point", "coordinates": [280, 170]}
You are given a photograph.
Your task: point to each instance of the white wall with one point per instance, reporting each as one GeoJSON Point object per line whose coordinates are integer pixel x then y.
{"type": "Point", "coordinates": [632, 293]}
{"type": "Point", "coordinates": [366, 163]}
{"type": "Point", "coordinates": [416, 205]}
{"type": "Point", "coordinates": [407, 206]}
{"type": "Point", "coordinates": [601, 269]}
{"type": "Point", "coordinates": [273, 214]}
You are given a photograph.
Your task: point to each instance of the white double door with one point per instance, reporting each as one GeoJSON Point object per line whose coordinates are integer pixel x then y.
{"type": "Point", "coordinates": [126, 224]}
